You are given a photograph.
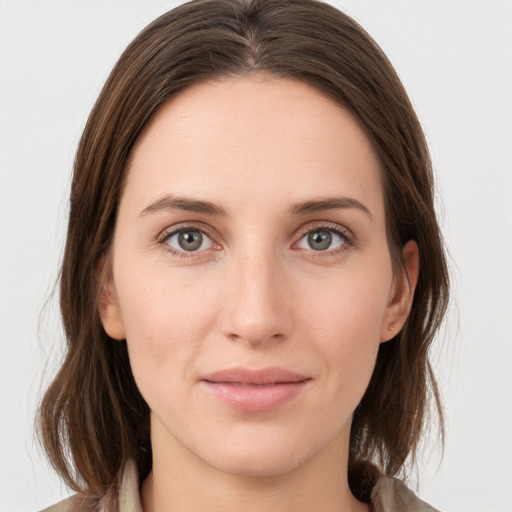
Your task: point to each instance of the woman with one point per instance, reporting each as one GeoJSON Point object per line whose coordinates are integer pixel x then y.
{"type": "Point", "coordinates": [253, 272]}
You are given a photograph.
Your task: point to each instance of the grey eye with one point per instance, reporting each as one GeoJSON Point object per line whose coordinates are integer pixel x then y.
{"type": "Point", "coordinates": [189, 240]}
{"type": "Point", "coordinates": [319, 240]}
{"type": "Point", "coordinates": [322, 240]}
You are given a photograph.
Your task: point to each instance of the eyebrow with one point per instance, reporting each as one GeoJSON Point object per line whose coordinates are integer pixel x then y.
{"type": "Point", "coordinates": [328, 203]}
{"type": "Point", "coordinates": [169, 202]}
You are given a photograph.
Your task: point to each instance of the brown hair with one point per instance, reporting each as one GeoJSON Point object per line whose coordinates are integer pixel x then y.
{"type": "Point", "coordinates": [93, 418]}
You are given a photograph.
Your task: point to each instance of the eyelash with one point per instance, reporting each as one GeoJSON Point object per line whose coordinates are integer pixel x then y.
{"type": "Point", "coordinates": [345, 234]}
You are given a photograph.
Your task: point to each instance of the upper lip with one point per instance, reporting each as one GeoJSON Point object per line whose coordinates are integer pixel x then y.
{"type": "Point", "coordinates": [269, 375]}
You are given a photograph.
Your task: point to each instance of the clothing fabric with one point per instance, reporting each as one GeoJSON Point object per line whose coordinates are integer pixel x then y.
{"type": "Point", "coordinates": [388, 495]}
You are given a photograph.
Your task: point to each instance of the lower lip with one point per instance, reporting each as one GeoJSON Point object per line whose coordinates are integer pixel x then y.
{"type": "Point", "coordinates": [255, 398]}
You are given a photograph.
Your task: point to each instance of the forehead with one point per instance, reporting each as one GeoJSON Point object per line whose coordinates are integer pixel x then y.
{"type": "Point", "coordinates": [238, 137]}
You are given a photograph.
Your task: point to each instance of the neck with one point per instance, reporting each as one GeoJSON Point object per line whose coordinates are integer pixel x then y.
{"type": "Point", "coordinates": [180, 482]}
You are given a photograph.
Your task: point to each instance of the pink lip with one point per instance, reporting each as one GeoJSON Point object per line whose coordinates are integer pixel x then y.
{"type": "Point", "coordinates": [255, 390]}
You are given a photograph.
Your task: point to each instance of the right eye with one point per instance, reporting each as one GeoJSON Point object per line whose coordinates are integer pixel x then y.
{"type": "Point", "coordinates": [187, 240]}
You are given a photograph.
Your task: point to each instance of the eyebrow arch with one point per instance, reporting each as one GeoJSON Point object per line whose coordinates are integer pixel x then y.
{"type": "Point", "coordinates": [328, 203]}
{"type": "Point", "coordinates": [170, 202]}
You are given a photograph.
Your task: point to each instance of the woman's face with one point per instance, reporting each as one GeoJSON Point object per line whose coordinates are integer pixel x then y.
{"type": "Point", "coordinates": [251, 275]}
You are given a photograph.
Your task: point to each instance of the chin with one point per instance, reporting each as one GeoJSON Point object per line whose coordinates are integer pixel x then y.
{"type": "Point", "coordinates": [259, 464]}
{"type": "Point", "coordinates": [262, 454]}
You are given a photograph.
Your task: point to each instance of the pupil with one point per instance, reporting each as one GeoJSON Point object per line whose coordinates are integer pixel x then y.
{"type": "Point", "coordinates": [320, 240]}
{"type": "Point", "coordinates": [190, 240]}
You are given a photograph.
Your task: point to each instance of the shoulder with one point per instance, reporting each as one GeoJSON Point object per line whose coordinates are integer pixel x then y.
{"type": "Point", "coordinates": [391, 495]}
{"type": "Point", "coordinates": [74, 504]}
{"type": "Point", "coordinates": [122, 496]}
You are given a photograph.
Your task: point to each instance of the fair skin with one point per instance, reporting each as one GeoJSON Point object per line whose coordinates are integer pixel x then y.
{"type": "Point", "coordinates": [251, 236]}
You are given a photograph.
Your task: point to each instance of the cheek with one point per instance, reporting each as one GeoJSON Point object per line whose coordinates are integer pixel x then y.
{"type": "Point", "coordinates": [351, 302]}
{"type": "Point", "coordinates": [166, 322]}
{"type": "Point", "coordinates": [345, 320]}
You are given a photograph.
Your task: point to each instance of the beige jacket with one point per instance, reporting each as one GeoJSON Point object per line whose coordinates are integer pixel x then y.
{"type": "Point", "coordinates": [389, 495]}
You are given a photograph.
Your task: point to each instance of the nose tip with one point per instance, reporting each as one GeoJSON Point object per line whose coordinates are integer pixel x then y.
{"type": "Point", "coordinates": [255, 309]}
{"type": "Point", "coordinates": [252, 331]}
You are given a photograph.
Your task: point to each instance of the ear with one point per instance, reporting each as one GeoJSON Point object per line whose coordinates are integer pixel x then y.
{"type": "Point", "coordinates": [109, 311]}
{"type": "Point", "coordinates": [402, 293]}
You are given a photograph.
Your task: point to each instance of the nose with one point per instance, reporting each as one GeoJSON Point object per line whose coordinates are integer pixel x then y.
{"type": "Point", "coordinates": [256, 306]}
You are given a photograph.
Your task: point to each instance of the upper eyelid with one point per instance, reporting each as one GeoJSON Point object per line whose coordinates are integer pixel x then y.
{"type": "Point", "coordinates": [327, 225]}
{"type": "Point", "coordinates": [171, 230]}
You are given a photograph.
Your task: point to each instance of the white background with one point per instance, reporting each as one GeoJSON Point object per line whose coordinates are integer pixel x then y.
{"type": "Point", "coordinates": [455, 59]}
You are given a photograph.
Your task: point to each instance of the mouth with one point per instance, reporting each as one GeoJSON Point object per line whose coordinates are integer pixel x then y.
{"type": "Point", "coordinates": [255, 390]}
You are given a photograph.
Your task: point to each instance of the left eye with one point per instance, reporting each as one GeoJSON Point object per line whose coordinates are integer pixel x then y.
{"type": "Point", "coordinates": [322, 240]}
{"type": "Point", "coordinates": [189, 240]}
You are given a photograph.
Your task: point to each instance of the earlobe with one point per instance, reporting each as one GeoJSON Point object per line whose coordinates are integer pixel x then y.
{"type": "Point", "coordinates": [110, 313]}
{"type": "Point", "coordinates": [402, 296]}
